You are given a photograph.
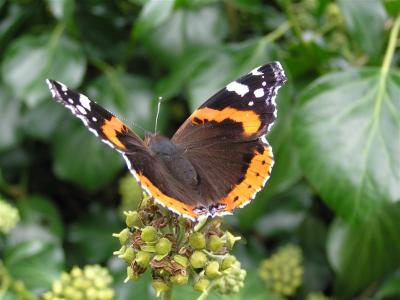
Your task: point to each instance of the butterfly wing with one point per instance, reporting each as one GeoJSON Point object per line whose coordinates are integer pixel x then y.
{"type": "Point", "coordinates": [224, 139]}
{"type": "Point", "coordinates": [144, 166]}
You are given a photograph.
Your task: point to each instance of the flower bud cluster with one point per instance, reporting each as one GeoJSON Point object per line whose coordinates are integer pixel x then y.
{"type": "Point", "coordinates": [178, 251]}
{"type": "Point", "coordinates": [283, 271]}
{"type": "Point", "coordinates": [91, 283]}
{"type": "Point", "coordinates": [9, 216]}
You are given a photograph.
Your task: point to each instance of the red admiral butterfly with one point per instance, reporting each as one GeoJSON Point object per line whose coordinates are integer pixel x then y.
{"type": "Point", "coordinates": [217, 160]}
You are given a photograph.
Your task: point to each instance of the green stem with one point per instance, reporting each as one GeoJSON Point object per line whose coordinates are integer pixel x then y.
{"type": "Point", "coordinates": [167, 295]}
{"type": "Point", "coordinates": [287, 5]}
{"type": "Point", "coordinates": [277, 33]}
{"type": "Point", "coordinates": [204, 295]}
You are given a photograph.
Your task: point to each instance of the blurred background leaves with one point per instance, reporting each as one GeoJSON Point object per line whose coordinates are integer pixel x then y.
{"type": "Point", "coordinates": [335, 187]}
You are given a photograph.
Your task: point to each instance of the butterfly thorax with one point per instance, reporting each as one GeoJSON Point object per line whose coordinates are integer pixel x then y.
{"type": "Point", "coordinates": [174, 159]}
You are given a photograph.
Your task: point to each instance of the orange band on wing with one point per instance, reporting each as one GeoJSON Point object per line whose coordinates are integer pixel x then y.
{"type": "Point", "coordinates": [250, 121]}
{"type": "Point", "coordinates": [256, 175]}
{"type": "Point", "coordinates": [178, 206]}
{"type": "Point", "coordinates": [110, 129]}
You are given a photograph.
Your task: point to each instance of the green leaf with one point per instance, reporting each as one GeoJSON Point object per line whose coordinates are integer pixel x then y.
{"type": "Point", "coordinates": [272, 215]}
{"type": "Point", "coordinates": [363, 253]}
{"type": "Point", "coordinates": [347, 130]}
{"type": "Point", "coordinates": [365, 21]}
{"type": "Point", "coordinates": [32, 58]}
{"type": "Point", "coordinates": [184, 31]}
{"type": "Point", "coordinates": [57, 7]}
{"type": "Point", "coordinates": [37, 263]}
{"type": "Point", "coordinates": [153, 13]}
{"type": "Point", "coordinates": [90, 237]}
{"type": "Point", "coordinates": [40, 210]}
{"type": "Point", "coordinates": [11, 21]}
{"type": "Point", "coordinates": [42, 121]}
{"type": "Point", "coordinates": [91, 166]}
{"type": "Point", "coordinates": [9, 117]}
{"type": "Point", "coordinates": [390, 287]}
{"type": "Point", "coordinates": [392, 7]}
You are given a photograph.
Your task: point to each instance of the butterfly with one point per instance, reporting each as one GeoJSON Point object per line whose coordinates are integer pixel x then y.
{"type": "Point", "coordinates": [216, 161]}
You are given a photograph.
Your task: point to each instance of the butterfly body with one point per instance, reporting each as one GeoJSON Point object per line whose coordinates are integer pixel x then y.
{"type": "Point", "coordinates": [216, 161]}
{"type": "Point", "coordinates": [173, 159]}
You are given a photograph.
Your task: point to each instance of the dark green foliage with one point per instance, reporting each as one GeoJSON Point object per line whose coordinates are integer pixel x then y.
{"type": "Point", "coordinates": [335, 186]}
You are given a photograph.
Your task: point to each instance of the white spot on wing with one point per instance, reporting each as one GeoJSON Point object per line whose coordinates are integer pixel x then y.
{"type": "Point", "coordinates": [81, 110]}
{"type": "Point", "coordinates": [84, 101]}
{"type": "Point", "coordinates": [238, 88]}
{"type": "Point", "coordinates": [93, 131]}
{"type": "Point", "coordinates": [256, 72]}
{"type": "Point", "coordinates": [70, 101]}
{"type": "Point", "coordinates": [251, 103]}
{"type": "Point", "coordinates": [64, 88]}
{"type": "Point", "coordinates": [259, 92]}
{"type": "Point", "coordinates": [94, 119]}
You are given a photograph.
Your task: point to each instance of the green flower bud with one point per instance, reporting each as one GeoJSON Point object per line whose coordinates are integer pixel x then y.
{"type": "Point", "coordinates": [131, 275]}
{"type": "Point", "coordinates": [9, 216]}
{"type": "Point", "coordinates": [201, 285]}
{"type": "Point", "coordinates": [163, 246]}
{"type": "Point", "coordinates": [91, 283]}
{"type": "Point", "coordinates": [160, 287]}
{"type": "Point", "coordinates": [179, 279]}
{"type": "Point", "coordinates": [182, 260]}
{"type": "Point", "coordinates": [132, 218]}
{"type": "Point", "coordinates": [212, 270]}
{"type": "Point", "coordinates": [120, 251]}
{"type": "Point", "coordinates": [197, 240]}
{"type": "Point", "coordinates": [215, 243]}
{"type": "Point", "coordinates": [198, 259]}
{"type": "Point", "coordinates": [128, 256]}
{"type": "Point", "coordinates": [149, 234]}
{"type": "Point", "coordinates": [227, 262]}
{"type": "Point", "coordinates": [130, 192]}
{"type": "Point", "coordinates": [143, 258]}
{"type": "Point", "coordinates": [283, 272]}
{"type": "Point", "coordinates": [231, 239]}
{"type": "Point", "coordinates": [123, 236]}
{"type": "Point", "coordinates": [148, 248]}
{"type": "Point", "coordinates": [232, 279]}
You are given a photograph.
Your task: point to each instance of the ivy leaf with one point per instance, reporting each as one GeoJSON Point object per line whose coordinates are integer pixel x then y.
{"type": "Point", "coordinates": [348, 134]}
{"type": "Point", "coordinates": [363, 253]}
{"type": "Point", "coordinates": [365, 21]}
{"type": "Point", "coordinates": [54, 56]}
{"type": "Point", "coordinates": [91, 166]}
{"type": "Point", "coordinates": [9, 116]}
{"type": "Point", "coordinates": [90, 237]}
{"type": "Point", "coordinates": [37, 263]}
{"type": "Point", "coordinates": [185, 30]}
{"type": "Point", "coordinates": [153, 13]}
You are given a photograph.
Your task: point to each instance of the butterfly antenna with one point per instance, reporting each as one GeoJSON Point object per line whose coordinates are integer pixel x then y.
{"type": "Point", "coordinates": [158, 113]}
